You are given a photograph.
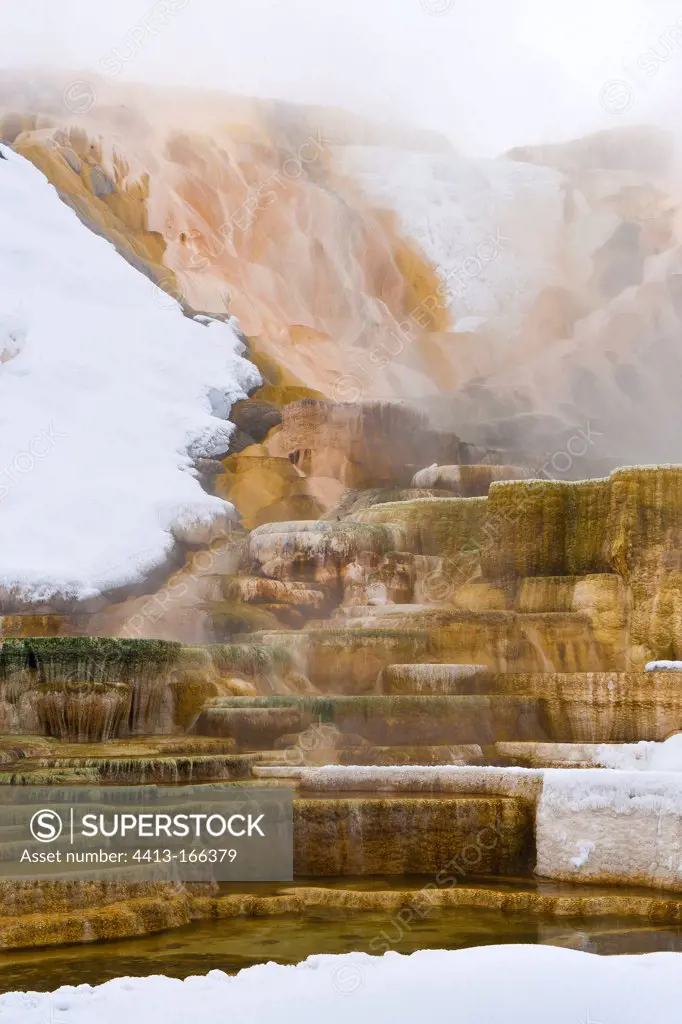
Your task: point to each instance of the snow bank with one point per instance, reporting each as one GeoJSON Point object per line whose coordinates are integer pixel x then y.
{"type": "Point", "coordinates": [491, 984]}
{"type": "Point", "coordinates": [611, 826]}
{"type": "Point", "coordinates": [645, 756]}
{"type": "Point", "coordinates": [106, 392]}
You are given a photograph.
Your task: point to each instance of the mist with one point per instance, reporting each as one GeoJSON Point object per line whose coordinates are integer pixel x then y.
{"type": "Point", "coordinates": [488, 76]}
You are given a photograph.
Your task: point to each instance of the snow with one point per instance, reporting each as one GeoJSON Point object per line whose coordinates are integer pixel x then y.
{"type": "Point", "coordinates": [646, 755]}
{"type": "Point", "coordinates": [107, 393]}
{"type": "Point", "coordinates": [491, 984]}
{"type": "Point", "coordinates": [584, 851]}
{"type": "Point", "coordinates": [491, 228]}
{"type": "Point", "coordinates": [663, 666]}
{"type": "Point", "coordinates": [469, 324]}
{"type": "Point", "coordinates": [589, 789]}
{"type": "Point", "coordinates": [610, 826]}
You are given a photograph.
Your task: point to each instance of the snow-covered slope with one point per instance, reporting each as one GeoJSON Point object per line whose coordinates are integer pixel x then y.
{"type": "Point", "coordinates": [104, 399]}
{"type": "Point", "coordinates": [485, 985]}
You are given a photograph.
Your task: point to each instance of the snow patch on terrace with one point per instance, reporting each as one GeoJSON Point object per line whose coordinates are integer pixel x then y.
{"type": "Point", "coordinates": [645, 756]}
{"type": "Point", "coordinates": [484, 985]}
{"type": "Point", "coordinates": [611, 826]}
{"type": "Point", "coordinates": [107, 392]}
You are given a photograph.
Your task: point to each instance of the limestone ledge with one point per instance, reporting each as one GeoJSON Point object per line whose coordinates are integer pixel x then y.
{"type": "Point", "coordinates": [97, 689]}
{"type": "Point", "coordinates": [136, 917]}
{"type": "Point", "coordinates": [595, 825]}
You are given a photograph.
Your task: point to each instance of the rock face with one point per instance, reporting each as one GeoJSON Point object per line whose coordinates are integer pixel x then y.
{"type": "Point", "coordinates": [321, 236]}
{"type": "Point", "coordinates": [605, 549]}
{"type": "Point", "coordinates": [372, 836]}
{"type": "Point", "coordinates": [90, 690]}
{"type": "Point", "coordinates": [239, 201]}
{"type": "Point", "coordinates": [362, 444]}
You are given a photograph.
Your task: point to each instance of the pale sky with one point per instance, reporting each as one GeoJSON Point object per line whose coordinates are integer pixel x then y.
{"type": "Point", "coordinates": [488, 73]}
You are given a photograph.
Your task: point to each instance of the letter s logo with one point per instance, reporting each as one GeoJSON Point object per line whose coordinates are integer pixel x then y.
{"type": "Point", "coordinates": [46, 826]}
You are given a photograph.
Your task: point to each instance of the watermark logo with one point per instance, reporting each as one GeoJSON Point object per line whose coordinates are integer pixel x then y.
{"type": "Point", "coordinates": [438, 7]}
{"type": "Point", "coordinates": [617, 96]}
{"type": "Point", "coordinates": [194, 833]}
{"type": "Point", "coordinates": [169, 293]}
{"type": "Point", "coordinates": [46, 826]}
{"type": "Point", "coordinates": [347, 388]}
{"type": "Point", "coordinates": [79, 97]}
{"type": "Point", "coordinates": [348, 979]}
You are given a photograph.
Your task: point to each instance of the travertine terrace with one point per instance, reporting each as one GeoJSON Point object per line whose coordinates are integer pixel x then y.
{"type": "Point", "coordinates": [435, 609]}
{"type": "Point", "coordinates": [500, 638]}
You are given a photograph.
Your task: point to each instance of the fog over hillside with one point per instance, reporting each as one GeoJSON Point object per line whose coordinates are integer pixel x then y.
{"type": "Point", "coordinates": [490, 76]}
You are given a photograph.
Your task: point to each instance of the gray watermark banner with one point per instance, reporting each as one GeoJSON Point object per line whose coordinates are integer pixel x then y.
{"type": "Point", "coordinates": [182, 833]}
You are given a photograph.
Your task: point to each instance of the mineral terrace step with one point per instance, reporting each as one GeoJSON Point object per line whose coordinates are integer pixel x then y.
{"type": "Point", "coordinates": [435, 679]}
{"type": "Point", "coordinates": [133, 915]}
{"type": "Point", "coordinates": [182, 768]}
{"type": "Point", "coordinates": [368, 754]}
{"type": "Point", "coordinates": [124, 919]}
{"type": "Point", "coordinates": [575, 709]}
{"type": "Point", "coordinates": [380, 720]}
{"type": "Point", "coordinates": [411, 835]}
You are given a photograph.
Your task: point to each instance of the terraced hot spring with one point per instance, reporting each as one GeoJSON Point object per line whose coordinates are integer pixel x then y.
{"type": "Point", "coordinates": [235, 943]}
